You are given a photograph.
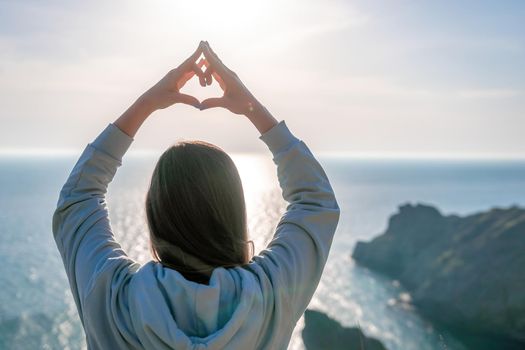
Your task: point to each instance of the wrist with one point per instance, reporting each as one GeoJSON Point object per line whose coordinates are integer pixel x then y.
{"type": "Point", "coordinates": [261, 118]}
{"type": "Point", "coordinates": [131, 120]}
{"type": "Point", "coordinates": [256, 111]}
{"type": "Point", "coordinates": [145, 105]}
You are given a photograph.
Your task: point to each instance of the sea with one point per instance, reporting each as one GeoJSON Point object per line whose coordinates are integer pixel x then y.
{"type": "Point", "coordinates": [36, 307]}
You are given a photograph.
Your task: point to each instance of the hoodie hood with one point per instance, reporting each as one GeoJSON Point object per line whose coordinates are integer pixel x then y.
{"type": "Point", "coordinates": [167, 311]}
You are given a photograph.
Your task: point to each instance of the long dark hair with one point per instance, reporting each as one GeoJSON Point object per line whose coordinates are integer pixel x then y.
{"type": "Point", "coordinates": [196, 211]}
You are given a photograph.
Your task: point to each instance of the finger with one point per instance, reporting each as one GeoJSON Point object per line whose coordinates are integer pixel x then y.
{"type": "Point", "coordinates": [213, 53]}
{"type": "Point", "coordinates": [207, 44]}
{"type": "Point", "coordinates": [214, 60]}
{"type": "Point", "coordinates": [213, 102]}
{"type": "Point", "coordinates": [189, 63]}
{"type": "Point", "coordinates": [202, 63]}
{"type": "Point", "coordinates": [219, 80]}
{"type": "Point", "coordinates": [189, 100]}
{"type": "Point", "coordinates": [207, 76]}
{"type": "Point", "coordinates": [200, 74]}
{"type": "Point", "coordinates": [208, 73]}
{"type": "Point", "coordinates": [194, 56]}
{"type": "Point", "coordinates": [184, 79]}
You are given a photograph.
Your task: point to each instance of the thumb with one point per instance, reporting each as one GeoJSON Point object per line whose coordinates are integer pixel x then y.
{"type": "Point", "coordinates": [213, 102]}
{"type": "Point", "coordinates": [189, 100]}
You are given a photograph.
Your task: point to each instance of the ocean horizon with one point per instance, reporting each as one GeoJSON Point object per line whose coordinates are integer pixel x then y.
{"type": "Point", "coordinates": [36, 307]}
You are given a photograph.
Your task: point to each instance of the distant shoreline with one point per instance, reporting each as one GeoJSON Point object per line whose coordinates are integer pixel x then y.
{"type": "Point", "coordinates": [366, 156]}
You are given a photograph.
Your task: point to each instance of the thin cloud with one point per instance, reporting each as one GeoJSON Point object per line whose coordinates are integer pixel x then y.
{"type": "Point", "coordinates": [490, 93]}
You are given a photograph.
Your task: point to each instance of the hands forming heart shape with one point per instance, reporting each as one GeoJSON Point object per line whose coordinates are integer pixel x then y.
{"type": "Point", "coordinates": [237, 98]}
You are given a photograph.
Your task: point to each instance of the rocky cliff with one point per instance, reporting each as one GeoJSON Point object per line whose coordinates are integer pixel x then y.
{"type": "Point", "coordinates": [322, 333]}
{"type": "Point", "coordinates": [467, 273]}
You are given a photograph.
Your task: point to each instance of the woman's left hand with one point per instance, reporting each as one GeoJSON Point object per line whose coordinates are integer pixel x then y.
{"type": "Point", "coordinates": [164, 94]}
{"type": "Point", "coordinates": [167, 91]}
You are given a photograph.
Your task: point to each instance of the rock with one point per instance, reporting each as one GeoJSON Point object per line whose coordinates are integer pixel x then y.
{"type": "Point", "coordinates": [466, 273]}
{"type": "Point", "coordinates": [321, 333]}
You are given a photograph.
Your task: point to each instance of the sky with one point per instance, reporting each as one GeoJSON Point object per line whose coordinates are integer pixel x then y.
{"type": "Point", "coordinates": [367, 78]}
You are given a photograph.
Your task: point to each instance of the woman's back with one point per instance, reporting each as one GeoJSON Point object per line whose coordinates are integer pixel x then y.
{"type": "Point", "coordinates": [256, 305]}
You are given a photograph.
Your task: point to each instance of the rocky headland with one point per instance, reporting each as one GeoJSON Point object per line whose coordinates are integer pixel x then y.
{"type": "Point", "coordinates": [321, 332]}
{"type": "Point", "coordinates": [464, 273]}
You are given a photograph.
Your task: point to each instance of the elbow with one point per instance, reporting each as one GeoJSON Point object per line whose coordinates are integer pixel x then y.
{"type": "Point", "coordinates": [331, 201]}
{"type": "Point", "coordinates": [335, 214]}
{"type": "Point", "coordinates": [62, 205]}
{"type": "Point", "coordinates": [337, 209]}
{"type": "Point", "coordinates": [58, 216]}
{"type": "Point", "coordinates": [55, 224]}
{"type": "Point", "coordinates": [336, 206]}
{"type": "Point", "coordinates": [63, 209]}
{"type": "Point", "coordinates": [334, 209]}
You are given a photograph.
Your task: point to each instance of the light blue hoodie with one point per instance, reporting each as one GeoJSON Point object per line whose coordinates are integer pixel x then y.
{"type": "Point", "coordinates": [125, 305]}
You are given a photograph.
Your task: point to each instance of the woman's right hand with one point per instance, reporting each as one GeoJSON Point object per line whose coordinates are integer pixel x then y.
{"type": "Point", "coordinates": [237, 98]}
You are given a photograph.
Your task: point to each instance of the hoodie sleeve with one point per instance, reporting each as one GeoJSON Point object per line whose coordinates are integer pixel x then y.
{"type": "Point", "coordinates": [295, 258]}
{"type": "Point", "coordinates": [81, 226]}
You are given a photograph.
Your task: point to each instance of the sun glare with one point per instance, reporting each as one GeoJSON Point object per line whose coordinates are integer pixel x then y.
{"type": "Point", "coordinates": [255, 172]}
{"type": "Point", "coordinates": [257, 176]}
{"type": "Point", "coordinates": [222, 17]}
{"type": "Point", "coordinates": [262, 193]}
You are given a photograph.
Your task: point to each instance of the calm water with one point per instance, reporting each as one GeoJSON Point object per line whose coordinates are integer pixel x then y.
{"type": "Point", "coordinates": [37, 310]}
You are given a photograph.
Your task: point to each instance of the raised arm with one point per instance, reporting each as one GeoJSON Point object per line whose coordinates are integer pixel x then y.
{"type": "Point", "coordinates": [295, 258]}
{"type": "Point", "coordinates": [94, 261]}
